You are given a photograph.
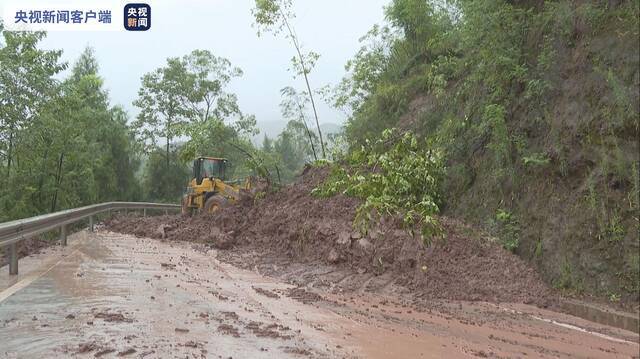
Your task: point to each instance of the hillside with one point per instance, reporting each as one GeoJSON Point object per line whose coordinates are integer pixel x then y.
{"type": "Point", "coordinates": [535, 107]}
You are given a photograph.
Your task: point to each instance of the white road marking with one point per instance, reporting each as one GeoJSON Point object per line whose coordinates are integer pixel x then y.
{"type": "Point", "coordinates": [30, 278]}
{"type": "Point", "coordinates": [566, 326]}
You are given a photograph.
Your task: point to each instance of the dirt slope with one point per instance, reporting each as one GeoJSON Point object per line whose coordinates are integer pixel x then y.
{"type": "Point", "coordinates": [294, 227]}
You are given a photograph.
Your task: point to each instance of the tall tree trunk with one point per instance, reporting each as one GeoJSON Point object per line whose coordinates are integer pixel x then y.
{"type": "Point", "coordinates": [294, 39]}
{"type": "Point", "coordinates": [168, 140]}
{"type": "Point", "coordinates": [313, 147]}
{"type": "Point", "coordinates": [278, 172]}
{"type": "Point", "coordinates": [54, 202]}
{"type": "Point", "coordinates": [42, 176]}
{"type": "Point", "coordinates": [10, 152]}
{"type": "Point", "coordinates": [166, 173]}
{"type": "Point", "coordinates": [167, 153]}
{"type": "Point", "coordinates": [315, 113]}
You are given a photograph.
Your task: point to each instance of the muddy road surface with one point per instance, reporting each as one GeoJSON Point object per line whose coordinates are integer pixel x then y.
{"type": "Point", "coordinates": [113, 295]}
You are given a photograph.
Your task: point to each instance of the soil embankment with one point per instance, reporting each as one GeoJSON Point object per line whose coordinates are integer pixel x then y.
{"type": "Point", "coordinates": [310, 240]}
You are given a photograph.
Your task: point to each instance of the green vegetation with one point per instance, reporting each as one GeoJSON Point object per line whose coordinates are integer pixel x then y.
{"type": "Point", "coordinates": [395, 176]}
{"type": "Point", "coordinates": [508, 231]}
{"type": "Point", "coordinates": [188, 97]}
{"type": "Point", "coordinates": [275, 16]}
{"type": "Point", "coordinates": [62, 144]}
{"type": "Point", "coordinates": [536, 159]}
{"type": "Point", "coordinates": [297, 144]}
{"type": "Point", "coordinates": [533, 107]}
{"type": "Point", "coordinates": [567, 280]}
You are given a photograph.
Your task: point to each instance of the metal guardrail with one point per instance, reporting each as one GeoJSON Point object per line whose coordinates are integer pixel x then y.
{"type": "Point", "coordinates": [15, 231]}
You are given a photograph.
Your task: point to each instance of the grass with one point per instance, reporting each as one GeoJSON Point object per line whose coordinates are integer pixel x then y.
{"type": "Point", "coordinates": [567, 281]}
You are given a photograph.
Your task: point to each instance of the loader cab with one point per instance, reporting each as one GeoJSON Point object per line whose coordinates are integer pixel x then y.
{"type": "Point", "coordinates": [209, 167]}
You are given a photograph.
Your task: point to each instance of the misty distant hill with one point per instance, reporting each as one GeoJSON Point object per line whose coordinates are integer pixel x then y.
{"type": "Point", "coordinates": [328, 128]}
{"type": "Point", "coordinates": [273, 128]}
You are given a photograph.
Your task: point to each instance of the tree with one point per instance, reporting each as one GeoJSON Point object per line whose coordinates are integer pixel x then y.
{"type": "Point", "coordinates": [216, 138]}
{"type": "Point", "coordinates": [121, 157]}
{"type": "Point", "coordinates": [98, 164]}
{"type": "Point", "coordinates": [74, 148]}
{"type": "Point", "coordinates": [26, 86]}
{"type": "Point", "coordinates": [365, 69]}
{"type": "Point", "coordinates": [180, 98]}
{"type": "Point", "coordinates": [87, 64]}
{"type": "Point", "coordinates": [26, 82]}
{"type": "Point", "coordinates": [274, 16]}
{"type": "Point", "coordinates": [160, 183]}
{"type": "Point", "coordinates": [219, 127]}
{"type": "Point", "coordinates": [293, 107]}
{"type": "Point", "coordinates": [159, 100]}
{"type": "Point", "coordinates": [267, 144]}
{"type": "Point", "coordinates": [414, 17]}
{"type": "Point", "coordinates": [209, 76]}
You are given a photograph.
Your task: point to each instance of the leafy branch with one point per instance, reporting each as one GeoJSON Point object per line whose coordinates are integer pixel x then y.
{"type": "Point", "coordinates": [398, 179]}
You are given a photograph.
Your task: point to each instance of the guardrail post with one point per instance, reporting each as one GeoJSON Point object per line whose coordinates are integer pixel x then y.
{"type": "Point", "coordinates": [63, 235]}
{"type": "Point", "coordinates": [166, 212]}
{"type": "Point", "coordinates": [13, 260]}
{"type": "Point", "coordinates": [144, 212]}
{"type": "Point", "coordinates": [91, 223]}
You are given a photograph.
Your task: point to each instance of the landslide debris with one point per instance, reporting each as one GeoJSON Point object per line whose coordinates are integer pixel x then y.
{"type": "Point", "coordinates": [292, 224]}
{"type": "Point", "coordinates": [26, 247]}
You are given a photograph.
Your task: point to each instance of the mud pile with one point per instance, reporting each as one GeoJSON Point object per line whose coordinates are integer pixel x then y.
{"type": "Point", "coordinates": [292, 224]}
{"type": "Point", "coordinates": [26, 247]}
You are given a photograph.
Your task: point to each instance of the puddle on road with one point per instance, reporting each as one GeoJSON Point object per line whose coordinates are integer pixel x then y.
{"type": "Point", "coordinates": [159, 299]}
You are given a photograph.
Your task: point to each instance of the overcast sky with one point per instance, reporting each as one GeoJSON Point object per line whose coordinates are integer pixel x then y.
{"type": "Point", "coordinates": [330, 27]}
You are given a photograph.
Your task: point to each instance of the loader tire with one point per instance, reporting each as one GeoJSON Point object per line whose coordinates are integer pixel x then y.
{"type": "Point", "coordinates": [214, 203]}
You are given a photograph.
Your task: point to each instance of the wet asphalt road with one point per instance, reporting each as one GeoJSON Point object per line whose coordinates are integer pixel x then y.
{"type": "Point", "coordinates": [111, 295]}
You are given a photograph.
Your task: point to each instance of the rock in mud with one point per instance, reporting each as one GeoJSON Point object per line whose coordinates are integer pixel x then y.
{"type": "Point", "coordinates": [219, 239]}
{"type": "Point", "coordinates": [364, 245]}
{"type": "Point", "coordinates": [162, 231]}
{"type": "Point", "coordinates": [104, 352]}
{"type": "Point", "coordinates": [344, 239]}
{"type": "Point", "coordinates": [87, 347]}
{"type": "Point", "coordinates": [409, 252]}
{"type": "Point", "coordinates": [126, 352]}
{"type": "Point", "coordinates": [333, 256]}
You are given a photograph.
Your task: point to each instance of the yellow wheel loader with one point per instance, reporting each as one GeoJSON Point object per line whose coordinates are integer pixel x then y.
{"type": "Point", "coordinates": [209, 189]}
